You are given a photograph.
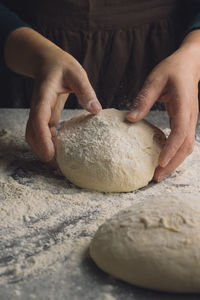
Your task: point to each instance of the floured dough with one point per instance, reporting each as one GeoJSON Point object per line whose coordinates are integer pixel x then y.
{"type": "Point", "coordinates": [104, 152]}
{"type": "Point", "coordinates": [153, 244]}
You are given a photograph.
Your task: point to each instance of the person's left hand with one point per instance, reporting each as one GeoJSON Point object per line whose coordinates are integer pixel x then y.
{"type": "Point", "coordinates": [175, 82]}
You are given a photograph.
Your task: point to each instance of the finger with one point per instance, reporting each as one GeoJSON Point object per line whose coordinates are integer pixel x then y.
{"type": "Point", "coordinates": [38, 134]}
{"type": "Point", "coordinates": [148, 95]}
{"type": "Point", "coordinates": [55, 116]}
{"type": "Point", "coordinates": [185, 150]}
{"type": "Point", "coordinates": [53, 135]}
{"type": "Point", "coordinates": [180, 124]}
{"type": "Point", "coordinates": [57, 109]}
{"type": "Point", "coordinates": [81, 86]}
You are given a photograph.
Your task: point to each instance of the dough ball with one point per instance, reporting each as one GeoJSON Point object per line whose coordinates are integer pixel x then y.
{"type": "Point", "coordinates": [104, 152]}
{"type": "Point", "coordinates": [153, 244]}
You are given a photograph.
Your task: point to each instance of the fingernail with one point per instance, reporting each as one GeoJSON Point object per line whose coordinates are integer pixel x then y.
{"type": "Point", "coordinates": [134, 114]}
{"type": "Point", "coordinates": [94, 106]}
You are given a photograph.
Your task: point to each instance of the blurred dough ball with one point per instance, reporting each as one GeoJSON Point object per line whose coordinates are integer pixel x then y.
{"type": "Point", "coordinates": [153, 244]}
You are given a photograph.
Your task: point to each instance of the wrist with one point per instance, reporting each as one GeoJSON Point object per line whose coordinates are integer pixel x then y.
{"type": "Point", "coordinates": [188, 54]}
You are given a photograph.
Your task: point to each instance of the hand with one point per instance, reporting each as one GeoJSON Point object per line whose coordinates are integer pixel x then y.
{"type": "Point", "coordinates": [59, 75]}
{"type": "Point", "coordinates": [56, 74]}
{"type": "Point", "coordinates": [175, 82]}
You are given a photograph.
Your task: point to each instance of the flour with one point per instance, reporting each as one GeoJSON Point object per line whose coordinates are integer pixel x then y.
{"type": "Point", "coordinates": [106, 153]}
{"type": "Point", "coordinates": [45, 220]}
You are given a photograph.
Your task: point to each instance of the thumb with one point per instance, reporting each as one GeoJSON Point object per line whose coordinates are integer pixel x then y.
{"type": "Point", "coordinates": [80, 85]}
{"type": "Point", "coordinates": [147, 96]}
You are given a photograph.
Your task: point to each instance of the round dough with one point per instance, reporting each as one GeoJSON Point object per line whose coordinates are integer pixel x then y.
{"type": "Point", "coordinates": [104, 152]}
{"type": "Point", "coordinates": [153, 244]}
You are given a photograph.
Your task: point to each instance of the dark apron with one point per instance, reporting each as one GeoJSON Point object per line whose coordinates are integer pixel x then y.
{"type": "Point", "coordinates": [118, 42]}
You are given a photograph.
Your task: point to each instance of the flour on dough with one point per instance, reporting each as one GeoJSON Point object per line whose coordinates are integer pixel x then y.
{"type": "Point", "coordinates": [104, 152]}
{"type": "Point", "coordinates": [153, 244]}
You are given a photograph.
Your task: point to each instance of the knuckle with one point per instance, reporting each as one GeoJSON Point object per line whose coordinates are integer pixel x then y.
{"type": "Point", "coordinates": [150, 81]}
{"type": "Point", "coordinates": [82, 74]}
{"type": "Point", "coordinates": [81, 82]}
{"type": "Point", "coordinates": [153, 80]}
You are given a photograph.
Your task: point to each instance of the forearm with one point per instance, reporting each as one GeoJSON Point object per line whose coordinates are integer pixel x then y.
{"type": "Point", "coordinates": [25, 50]}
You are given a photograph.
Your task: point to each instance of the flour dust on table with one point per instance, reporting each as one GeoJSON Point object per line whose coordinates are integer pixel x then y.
{"type": "Point", "coordinates": [47, 224]}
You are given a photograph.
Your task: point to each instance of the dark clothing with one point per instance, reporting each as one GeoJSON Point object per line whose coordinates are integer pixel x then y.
{"type": "Point", "coordinates": [118, 42]}
{"type": "Point", "coordinates": [9, 21]}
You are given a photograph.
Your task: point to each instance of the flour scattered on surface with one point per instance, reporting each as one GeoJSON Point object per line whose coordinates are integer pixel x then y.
{"type": "Point", "coordinates": [45, 220]}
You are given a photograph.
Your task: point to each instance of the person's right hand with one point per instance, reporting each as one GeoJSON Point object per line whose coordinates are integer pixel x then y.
{"type": "Point", "coordinates": [56, 74]}
{"type": "Point", "coordinates": [59, 75]}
